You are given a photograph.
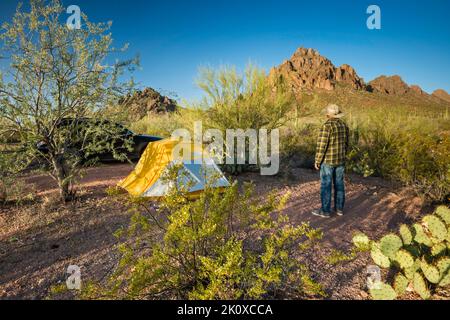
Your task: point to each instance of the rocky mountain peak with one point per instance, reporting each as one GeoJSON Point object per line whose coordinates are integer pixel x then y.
{"type": "Point", "coordinates": [307, 69]}
{"type": "Point", "coordinates": [389, 85]}
{"type": "Point", "coordinates": [143, 102]}
{"type": "Point", "coordinates": [441, 94]}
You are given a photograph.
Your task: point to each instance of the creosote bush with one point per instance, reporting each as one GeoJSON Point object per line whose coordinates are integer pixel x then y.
{"type": "Point", "coordinates": [226, 244]}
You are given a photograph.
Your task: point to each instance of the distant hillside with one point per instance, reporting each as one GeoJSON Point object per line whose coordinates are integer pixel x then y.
{"type": "Point", "coordinates": [441, 94]}
{"type": "Point", "coordinates": [307, 72]}
{"type": "Point", "coordinates": [148, 101]}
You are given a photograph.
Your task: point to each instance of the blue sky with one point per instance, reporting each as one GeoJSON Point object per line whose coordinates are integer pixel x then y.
{"type": "Point", "coordinates": [175, 38]}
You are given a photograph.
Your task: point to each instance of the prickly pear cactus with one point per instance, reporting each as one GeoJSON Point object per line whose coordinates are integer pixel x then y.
{"type": "Point", "coordinates": [444, 213]}
{"type": "Point", "coordinates": [438, 249]}
{"type": "Point", "coordinates": [378, 257]}
{"type": "Point", "coordinates": [430, 272]}
{"type": "Point", "coordinates": [406, 234]}
{"type": "Point", "coordinates": [361, 241]}
{"type": "Point", "coordinates": [420, 256]}
{"type": "Point", "coordinates": [390, 244]}
{"type": "Point", "coordinates": [443, 265]}
{"type": "Point", "coordinates": [420, 236]}
{"type": "Point", "coordinates": [383, 291]}
{"type": "Point", "coordinates": [404, 259]}
{"type": "Point", "coordinates": [420, 286]}
{"type": "Point", "coordinates": [400, 284]}
{"type": "Point", "coordinates": [436, 227]}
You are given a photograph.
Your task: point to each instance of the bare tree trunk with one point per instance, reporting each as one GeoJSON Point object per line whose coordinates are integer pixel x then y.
{"type": "Point", "coordinates": [62, 175]}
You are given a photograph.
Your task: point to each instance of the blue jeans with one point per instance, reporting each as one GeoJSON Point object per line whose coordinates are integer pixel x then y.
{"type": "Point", "coordinates": [332, 175]}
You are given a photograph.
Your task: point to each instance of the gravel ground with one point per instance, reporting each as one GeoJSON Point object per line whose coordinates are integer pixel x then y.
{"type": "Point", "coordinates": [39, 239]}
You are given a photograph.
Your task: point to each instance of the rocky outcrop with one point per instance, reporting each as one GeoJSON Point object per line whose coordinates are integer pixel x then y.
{"type": "Point", "coordinates": [307, 69]}
{"type": "Point", "coordinates": [147, 101]}
{"type": "Point", "coordinates": [418, 90]}
{"type": "Point", "coordinates": [389, 85]}
{"type": "Point", "coordinates": [441, 94]}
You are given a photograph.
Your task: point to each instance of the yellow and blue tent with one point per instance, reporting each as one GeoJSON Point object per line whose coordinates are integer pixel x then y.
{"type": "Point", "coordinates": [146, 180]}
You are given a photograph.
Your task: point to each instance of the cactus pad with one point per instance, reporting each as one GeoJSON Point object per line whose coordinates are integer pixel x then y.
{"type": "Point", "coordinates": [438, 248]}
{"type": "Point", "coordinates": [420, 236]}
{"type": "Point", "coordinates": [361, 241]}
{"type": "Point", "coordinates": [383, 291]}
{"type": "Point", "coordinates": [378, 257]}
{"type": "Point", "coordinates": [420, 286]}
{"type": "Point", "coordinates": [400, 284]}
{"type": "Point", "coordinates": [444, 213]}
{"type": "Point", "coordinates": [436, 227]}
{"type": "Point", "coordinates": [444, 269]}
{"type": "Point", "coordinates": [390, 244]}
{"type": "Point", "coordinates": [404, 259]}
{"type": "Point", "coordinates": [406, 234]}
{"type": "Point", "coordinates": [430, 272]}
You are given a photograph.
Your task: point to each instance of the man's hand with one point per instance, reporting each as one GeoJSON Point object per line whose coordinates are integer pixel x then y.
{"type": "Point", "coordinates": [316, 166]}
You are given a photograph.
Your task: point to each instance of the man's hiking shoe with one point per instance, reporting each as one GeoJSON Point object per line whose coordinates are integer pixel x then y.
{"type": "Point", "coordinates": [340, 213]}
{"type": "Point", "coordinates": [321, 214]}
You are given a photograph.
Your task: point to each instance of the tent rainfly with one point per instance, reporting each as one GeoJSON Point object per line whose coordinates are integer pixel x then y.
{"type": "Point", "coordinates": [146, 178]}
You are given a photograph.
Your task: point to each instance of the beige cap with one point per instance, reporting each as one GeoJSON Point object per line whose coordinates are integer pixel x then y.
{"type": "Point", "coordinates": [333, 111]}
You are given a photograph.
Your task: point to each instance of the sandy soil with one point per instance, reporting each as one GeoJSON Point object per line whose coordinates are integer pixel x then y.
{"type": "Point", "coordinates": [40, 239]}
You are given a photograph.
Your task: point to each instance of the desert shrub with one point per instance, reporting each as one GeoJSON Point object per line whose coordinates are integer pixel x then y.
{"type": "Point", "coordinates": [419, 256]}
{"type": "Point", "coordinates": [298, 144]}
{"type": "Point", "coordinates": [164, 125]}
{"type": "Point", "coordinates": [386, 143]}
{"type": "Point", "coordinates": [226, 244]}
{"type": "Point", "coordinates": [11, 187]}
{"type": "Point", "coordinates": [242, 101]}
{"type": "Point", "coordinates": [404, 150]}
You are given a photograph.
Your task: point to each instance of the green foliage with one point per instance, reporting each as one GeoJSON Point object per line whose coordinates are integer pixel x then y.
{"type": "Point", "coordinates": [404, 259]}
{"type": "Point", "coordinates": [420, 286]}
{"type": "Point", "coordinates": [400, 284]}
{"type": "Point", "coordinates": [361, 241]}
{"type": "Point", "coordinates": [430, 272]}
{"type": "Point", "coordinates": [436, 227]}
{"type": "Point", "coordinates": [164, 125]}
{"type": "Point", "coordinates": [337, 256]}
{"type": "Point", "coordinates": [242, 101]}
{"type": "Point", "coordinates": [383, 291]}
{"type": "Point", "coordinates": [390, 244]}
{"type": "Point", "coordinates": [225, 244]}
{"type": "Point", "coordinates": [378, 257]}
{"type": "Point", "coordinates": [421, 236]}
{"type": "Point", "coordinates": [421, 260]}
{"type": "Point", "coordinates": [444, 213]}
{"type": "Point", "coordinates": [406, 234]}
{"type": "Point", "coordinates": [54, 74]}
{"type": "Point", "coordinates": [395, 139]}
{"type": "Point", "coordinates": [11, 188]}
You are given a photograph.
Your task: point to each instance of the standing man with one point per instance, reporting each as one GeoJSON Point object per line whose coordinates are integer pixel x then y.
{"type": "Point", "coordinates": [332, 146]}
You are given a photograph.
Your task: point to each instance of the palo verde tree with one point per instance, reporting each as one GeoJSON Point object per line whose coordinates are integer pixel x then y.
{"type": "Point", "coordinates": [244, 101]}
{"type": "Point", "coordinates": [58, 75]}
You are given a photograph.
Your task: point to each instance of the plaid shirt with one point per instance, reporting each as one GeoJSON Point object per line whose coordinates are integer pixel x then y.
{"type": "Point", "coordinates": [332, 143]}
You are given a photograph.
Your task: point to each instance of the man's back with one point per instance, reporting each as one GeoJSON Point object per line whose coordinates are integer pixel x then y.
{"type": "Point", "coordinates": [332, 144]}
